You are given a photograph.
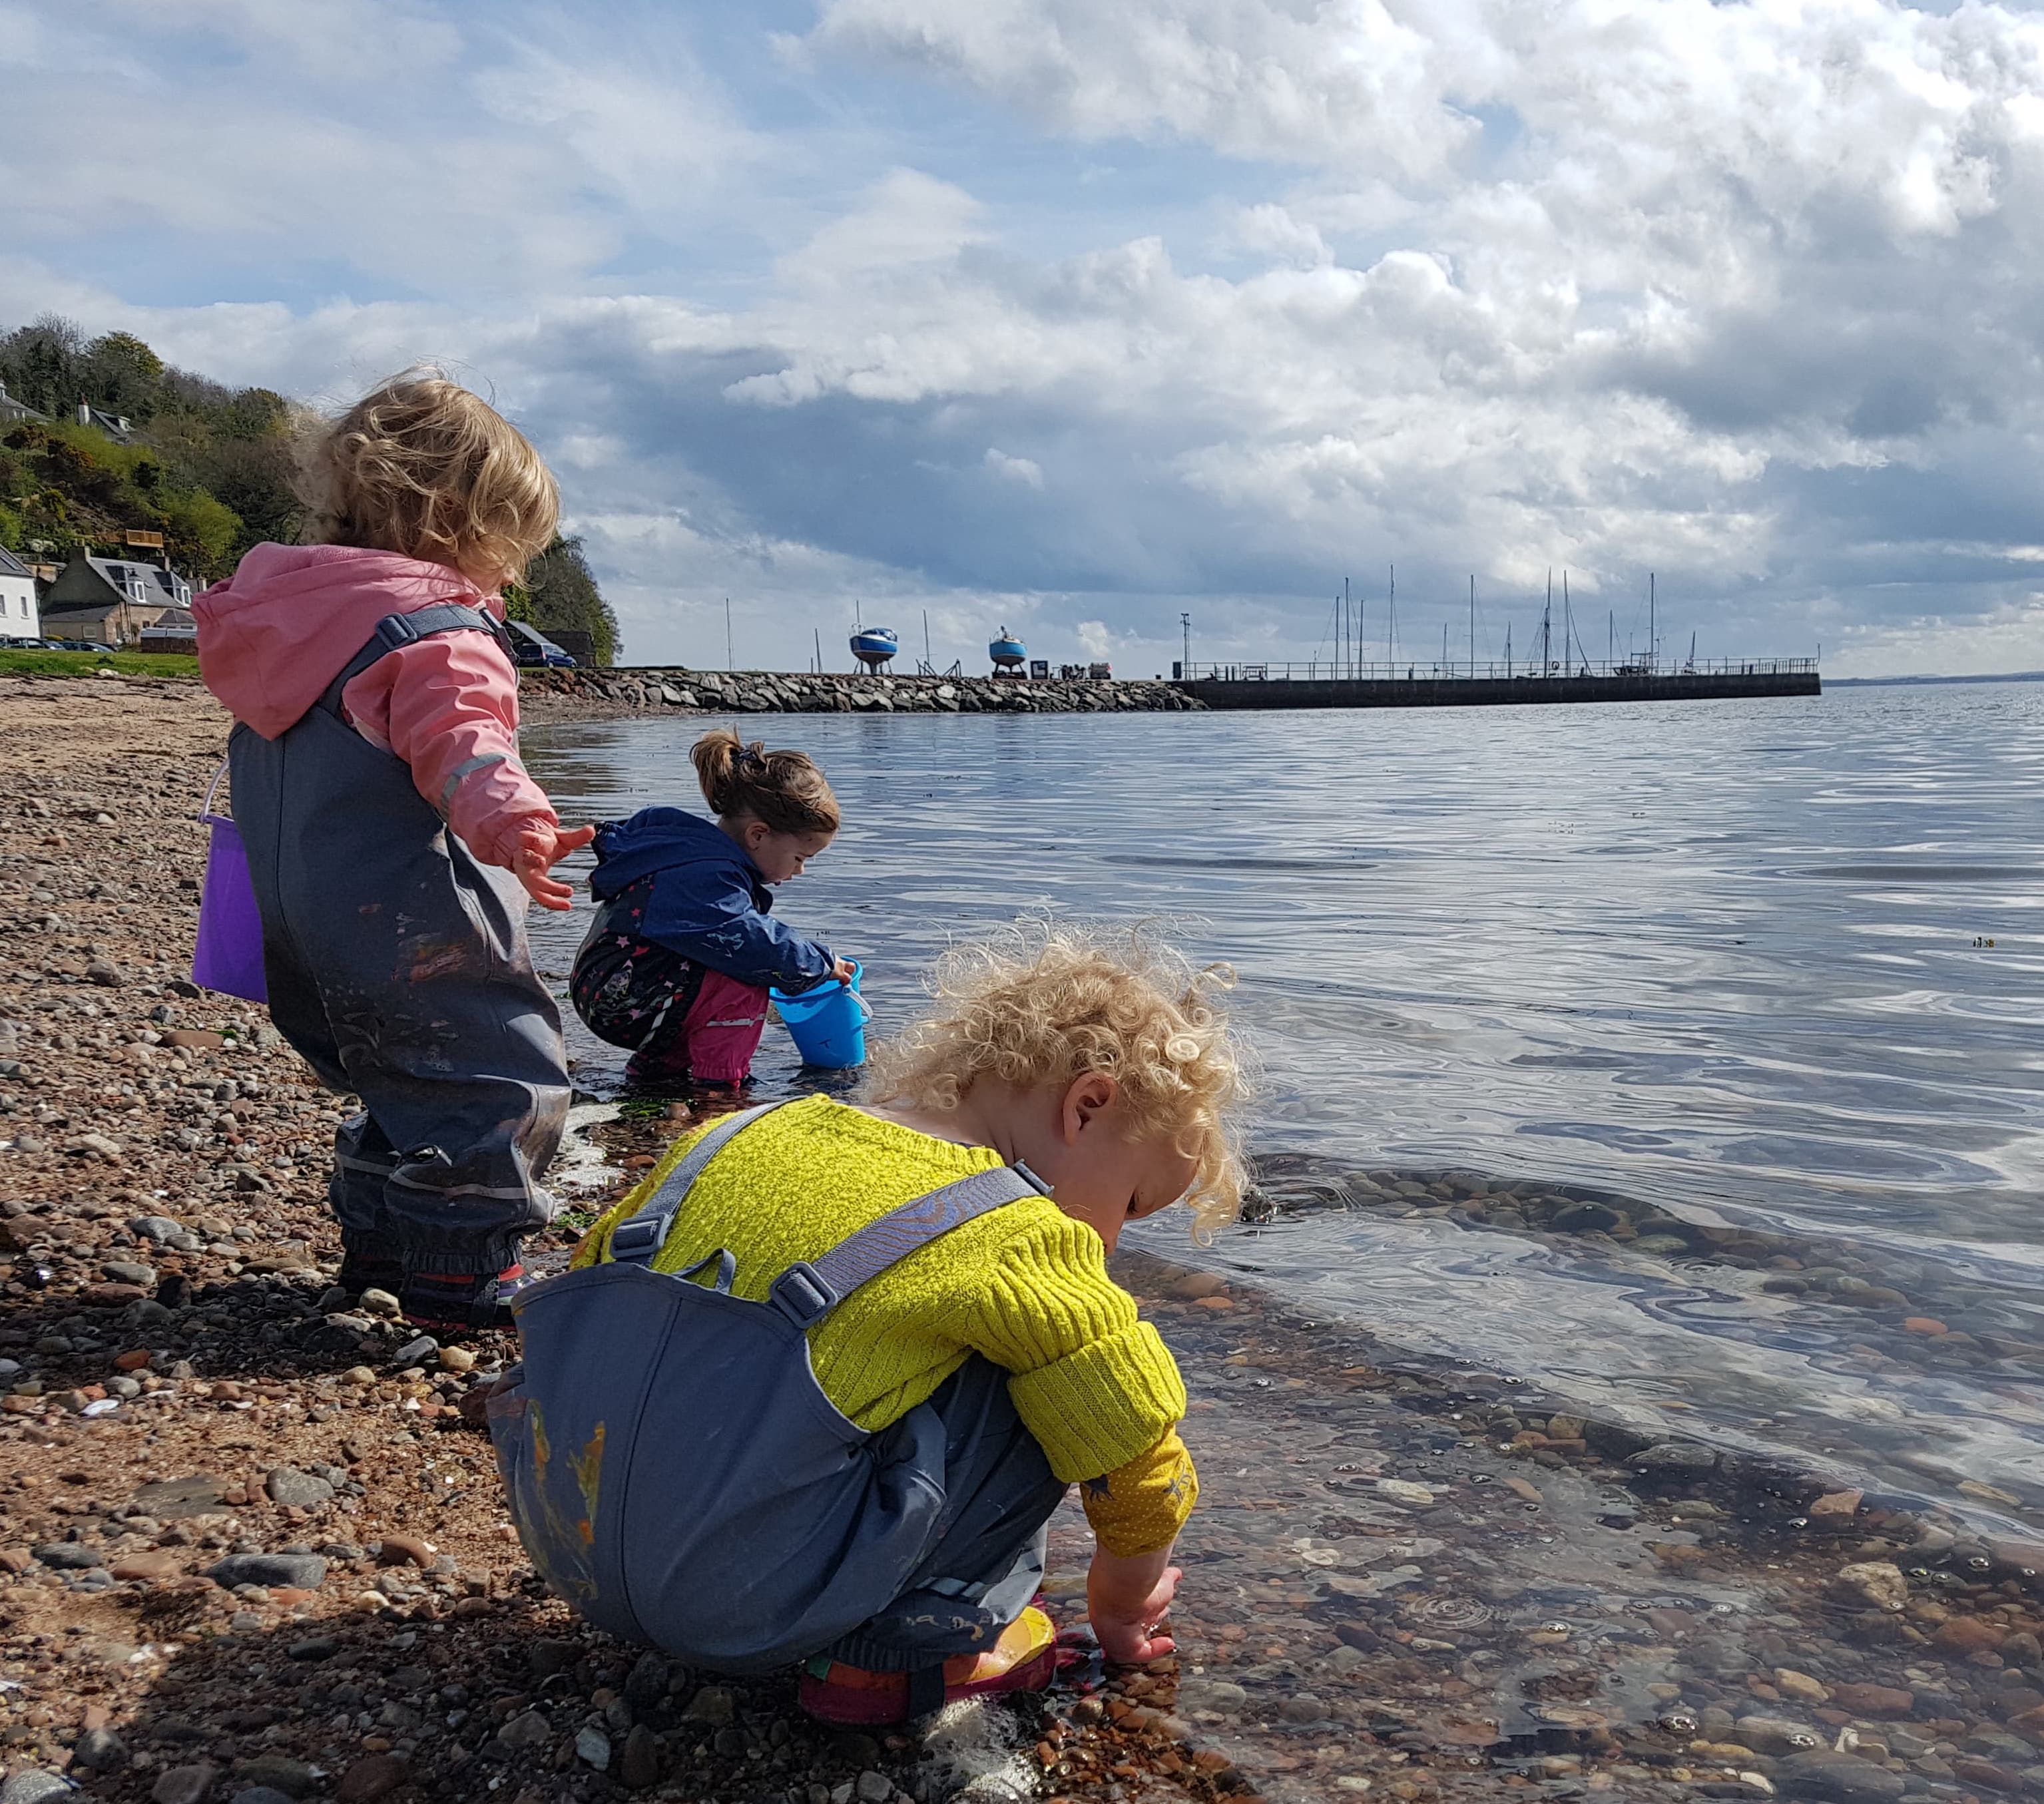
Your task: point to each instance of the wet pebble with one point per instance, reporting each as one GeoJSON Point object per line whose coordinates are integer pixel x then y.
{"type": "Point", "coordinates": [1838, 1778]}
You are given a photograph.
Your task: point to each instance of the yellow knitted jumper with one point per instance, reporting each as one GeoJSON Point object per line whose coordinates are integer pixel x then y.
{"type": "Point", "coordinates": [1024, 1284]}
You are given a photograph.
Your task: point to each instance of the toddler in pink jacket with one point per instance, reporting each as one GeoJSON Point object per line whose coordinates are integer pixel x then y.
{"type": "Point", "coordinates": [394, 836]}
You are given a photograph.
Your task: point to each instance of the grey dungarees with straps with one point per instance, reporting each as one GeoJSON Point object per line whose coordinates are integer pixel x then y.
{"type": "Point", "coordinates": [676, 1472]}
{"type": "Point", "coordinates": [397, 965]}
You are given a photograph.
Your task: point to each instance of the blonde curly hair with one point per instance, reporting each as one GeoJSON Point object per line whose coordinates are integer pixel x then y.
{"type": "Point", "coordinates": [1049, 1005]}
{"type": "Point", "coordinates": [421, 467]}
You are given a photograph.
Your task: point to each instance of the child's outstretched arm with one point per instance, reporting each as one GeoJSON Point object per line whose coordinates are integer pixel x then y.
{"type": "Point", "coordinates": [1127, 1596]}
{"type": "Point", "coordinates": [1136, 1511]}
{"type": "Point", "coordinates": [540, 847]}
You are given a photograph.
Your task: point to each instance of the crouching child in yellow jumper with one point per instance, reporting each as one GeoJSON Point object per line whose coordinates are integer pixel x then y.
{"type": "Point", "coordinates": [815, 1386]}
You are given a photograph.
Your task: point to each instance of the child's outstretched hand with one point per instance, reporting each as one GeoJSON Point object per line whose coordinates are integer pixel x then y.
{"type": "Point", "coordinates": [841, 971]}
{"type": "Point", "coordinates": [540, 847]}
{"type": "Point", "coordinates": [1127, 1596]}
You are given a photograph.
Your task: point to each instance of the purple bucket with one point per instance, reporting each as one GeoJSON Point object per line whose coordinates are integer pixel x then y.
{"type": "Point", "coordinates": [228, 954]}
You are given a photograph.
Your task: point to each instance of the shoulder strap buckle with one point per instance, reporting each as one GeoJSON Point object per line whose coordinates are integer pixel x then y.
{"type": "Point", "coordinates": [802, 1294]}
{"type": "Point", "coordinates": [806, 1291]}
{"type": "Point", "coordinates": [641, 1234]}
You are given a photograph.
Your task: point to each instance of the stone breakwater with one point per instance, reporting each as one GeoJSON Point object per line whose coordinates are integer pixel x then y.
{"type": "Point", "coordinates": [767, 691]}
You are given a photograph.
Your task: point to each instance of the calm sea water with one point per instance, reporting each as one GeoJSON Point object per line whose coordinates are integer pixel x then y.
{"type": "Point", "coordinates": [1725, 962]}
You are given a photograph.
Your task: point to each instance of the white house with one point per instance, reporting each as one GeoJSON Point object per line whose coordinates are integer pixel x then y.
{"type": "Point", "coordinates": [18, 598]}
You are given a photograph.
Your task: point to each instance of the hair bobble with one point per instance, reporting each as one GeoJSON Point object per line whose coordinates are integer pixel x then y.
{"type": "Point", "coordinates": [1181, 1049]}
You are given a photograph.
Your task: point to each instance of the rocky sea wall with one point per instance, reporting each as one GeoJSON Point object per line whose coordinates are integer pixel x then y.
{"type": "Point", "coordinates": [651, 688]}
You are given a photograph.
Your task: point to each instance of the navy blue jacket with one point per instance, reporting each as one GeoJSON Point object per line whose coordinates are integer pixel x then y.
{"type": "Point", "coordinates": [709, 903]}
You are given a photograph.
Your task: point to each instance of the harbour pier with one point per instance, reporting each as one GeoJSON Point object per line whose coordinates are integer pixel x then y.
{"type": "Point", "coordinates": [1434, 684]}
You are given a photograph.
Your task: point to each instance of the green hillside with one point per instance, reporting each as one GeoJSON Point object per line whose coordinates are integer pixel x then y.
{"type": "Point", "coordinates": [208, 466]}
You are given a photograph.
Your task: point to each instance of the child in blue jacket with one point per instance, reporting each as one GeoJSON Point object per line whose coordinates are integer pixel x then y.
{"type": "Point", "coordinates": [678, 961]}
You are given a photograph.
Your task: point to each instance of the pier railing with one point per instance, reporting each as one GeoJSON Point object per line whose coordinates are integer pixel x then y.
{"type": "Point", "coordinates": [1434, 670]}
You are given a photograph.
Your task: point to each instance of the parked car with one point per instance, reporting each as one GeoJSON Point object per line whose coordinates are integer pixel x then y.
{"type": "Point", "coordinates": [531, 650]}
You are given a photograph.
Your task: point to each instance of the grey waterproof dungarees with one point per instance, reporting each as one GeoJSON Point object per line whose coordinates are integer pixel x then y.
{"type": "Point", "coordinates": [397, 965]}
{"type": "Point", "coordinates": [676, 1472]}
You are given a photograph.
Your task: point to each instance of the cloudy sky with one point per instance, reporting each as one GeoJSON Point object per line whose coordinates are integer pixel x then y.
{"type": "Point", "coordinates": [1073, 318]}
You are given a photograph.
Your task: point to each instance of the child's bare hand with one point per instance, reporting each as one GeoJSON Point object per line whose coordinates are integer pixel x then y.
{"type": "Point", "coordinates": [540, 847]}
{"type": "Point", "coordinates": [1127, 1599]}
{"type": "Point", "coordinates": [842, 970]}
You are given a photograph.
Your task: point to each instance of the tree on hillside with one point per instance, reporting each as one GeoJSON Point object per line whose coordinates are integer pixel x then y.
{"type": "Point", "coordinates": [39, 362]}
{"type": "Point", "coordinates": [559, 593]}
{"type": "Point", "coordinates": [210, 466]}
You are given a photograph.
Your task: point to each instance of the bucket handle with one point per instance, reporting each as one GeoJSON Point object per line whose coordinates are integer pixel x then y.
{"type": "Point", "coordinates": [865, 1008]}
{"type": "Point", "coordinates": [212, 789]}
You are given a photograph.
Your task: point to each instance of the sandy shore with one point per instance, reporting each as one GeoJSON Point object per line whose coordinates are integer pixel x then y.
{"type": "Point", "coordinates": [251, 1546]}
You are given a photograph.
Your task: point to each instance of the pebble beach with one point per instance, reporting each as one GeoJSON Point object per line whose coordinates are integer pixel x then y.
{"type": "Point", "coordinates": [251, 1548]}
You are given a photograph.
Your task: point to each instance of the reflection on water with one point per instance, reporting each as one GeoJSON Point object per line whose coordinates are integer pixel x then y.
{"type": "Point", "coordinates": [1723, 963]}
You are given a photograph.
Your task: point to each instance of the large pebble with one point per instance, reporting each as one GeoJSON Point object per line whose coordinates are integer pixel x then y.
{"type": "Point", "coordinates": [647, 1683]}
{"type": "Point", "coordinates": [298, 1571]}
{"type": "Point", "coordinates": [1776, 1735]}
{"type": "Point", "coordinates": [101, 1749]}
{"type": "Point", "coordinates": [1674, 1461]}
{"type": "Point", "coordinates": [1404, 1491]}
{"type": "Point", "coordinates": [639, 1764]}
{"type": "Point", "coordinates": [1839, 1778]}
{"type": "Point", "coordinates": [593, 1745]}
{"type": "Point", "coordinates": [404, 1550]}
{"type": "Point", "coordinates": [279, 1773]}
{"type": "Point", "coordinates": [287, 1485]}
{"type": "Point", "coordinates": [1873, 1700]}
{"type": "Point", "coordinates": [31, 1785]}
{"type": "Point", "coordinates": [70, 1556]}
{"type": "Point", "coordinates": [182, 1785]}
{"type": "Point", "coordinates": [714, 1705]}
{"type": "Point", "coordinates": [373, 1776]}
{"type": "Point", "coordinates": [1878, 1584]}
{"type": "Point", "coordinates": [527, 1729]}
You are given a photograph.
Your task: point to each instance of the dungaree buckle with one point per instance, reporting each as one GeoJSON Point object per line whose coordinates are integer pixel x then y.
{"type": "Point", "coordinates": [633, 1243]}
{"type": "Point", "coordinates": [802, 1294]}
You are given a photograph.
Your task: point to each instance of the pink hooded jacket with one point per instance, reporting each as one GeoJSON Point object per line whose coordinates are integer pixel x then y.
{"type": "Point", "coordinates": [280, 629]}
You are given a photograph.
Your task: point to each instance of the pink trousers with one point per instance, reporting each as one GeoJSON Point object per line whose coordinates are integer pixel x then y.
{"type": "Point", "coordinates": [719, 1035]}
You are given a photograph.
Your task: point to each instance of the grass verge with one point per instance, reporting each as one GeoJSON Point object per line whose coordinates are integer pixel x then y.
{"type": "Point", "coordinates": [19, 661]}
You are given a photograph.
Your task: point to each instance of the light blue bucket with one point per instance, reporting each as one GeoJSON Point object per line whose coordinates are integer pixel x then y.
{"type": "Point", "coordinates": [828, 1023]}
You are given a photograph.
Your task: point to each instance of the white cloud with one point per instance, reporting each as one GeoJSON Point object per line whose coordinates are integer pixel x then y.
{"type": "Point", "coordinates": [1022, 470]}
{"type": "Point", "coordinates": [1742, 294]}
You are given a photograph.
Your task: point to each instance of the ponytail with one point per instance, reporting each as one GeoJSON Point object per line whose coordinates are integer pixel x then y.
{"type": "Point", "coordinates": [785, 789]}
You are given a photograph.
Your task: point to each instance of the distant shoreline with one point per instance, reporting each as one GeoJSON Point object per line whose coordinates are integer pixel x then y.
{"type": "Point", "coordinates": [1898, 682]}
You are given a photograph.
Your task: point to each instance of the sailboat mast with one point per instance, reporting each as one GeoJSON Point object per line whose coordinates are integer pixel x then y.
{"type": "Point", "coordinates": [1391, 629]}
{"type": "Point", "coordinates": [1471, 624]}
{"type": "Point", "coordinates": [1652, 643]}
